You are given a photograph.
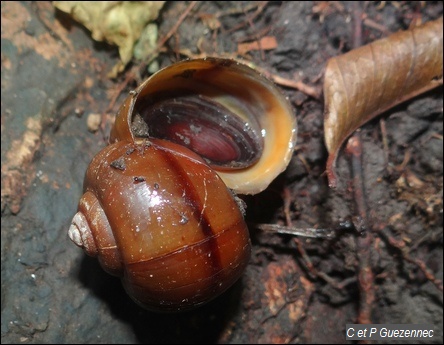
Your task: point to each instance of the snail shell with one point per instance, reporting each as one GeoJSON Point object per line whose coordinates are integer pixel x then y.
{"type": "Point", "coordinates": [167, 208]}
{"type": "Point", "coordinates": [162, 217]}
{"type": "Point", "coordinates": [265, 124]}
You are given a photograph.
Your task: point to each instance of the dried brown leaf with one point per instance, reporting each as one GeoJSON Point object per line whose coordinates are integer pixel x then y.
{"type": "Point", "coordinates": [367, 81]}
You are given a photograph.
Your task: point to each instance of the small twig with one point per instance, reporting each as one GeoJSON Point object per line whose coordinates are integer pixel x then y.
{"type": "Point", "coordinates": [374, 25]}
{"type": "Point", "coordinates": [298, 85]}
{"type": "Point", "coordinates": [384, 141]}
{"type": "Point", "coordinates": [258, 11]}
{"type": "Point", "coordinates": [308, 232]}
{"type": "Point", "coordinates": [170, 33]}
{"type": "Point", "coordinates": [232, 11]}
{"type": "Point", "coordinates": [364, 242]}
{"type": "Point", "coordinates": [313, 272]}
{"type": "Point", "coordinates": [354, 149]}
{"type": "Point", "coordinates": [291, 230]}
{"type": "Point", "coordinates": [304, 162]}
{"type": "Point", "coordinates": [261, 33]}
{"type": "Point", "coordinates": [357, 27]}
{"type": "Point", "coordinates": [401, 246]}
{"type": "Point", "coordinates": [287, 204]}
{"type": "Point", "coordinates": [256, 37]}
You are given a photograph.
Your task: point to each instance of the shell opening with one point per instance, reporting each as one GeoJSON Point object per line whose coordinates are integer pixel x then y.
{"type": "Point", "coordinates": [245, 128]}
{"type": "Point", "coordinates": [206, 127]}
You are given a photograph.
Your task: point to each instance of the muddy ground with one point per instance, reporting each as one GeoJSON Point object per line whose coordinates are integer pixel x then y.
{"type": "Point", "coordinates": [54, 76]}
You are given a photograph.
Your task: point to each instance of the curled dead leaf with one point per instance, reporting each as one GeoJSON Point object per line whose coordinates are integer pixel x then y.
{"type": "Point", "coordinates": [369, 80]}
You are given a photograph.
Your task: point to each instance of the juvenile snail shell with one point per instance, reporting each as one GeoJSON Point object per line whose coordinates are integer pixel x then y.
{"type": "Point", "coordinates": [154, 212]}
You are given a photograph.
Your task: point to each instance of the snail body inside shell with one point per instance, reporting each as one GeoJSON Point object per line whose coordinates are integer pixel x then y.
{"type": "Point", "coordinates": [157, 208]}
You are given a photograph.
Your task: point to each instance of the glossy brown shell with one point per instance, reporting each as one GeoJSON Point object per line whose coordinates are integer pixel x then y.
{"type": "Point", "coordinates": [164, 222]}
